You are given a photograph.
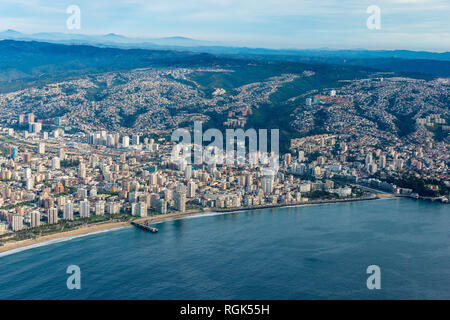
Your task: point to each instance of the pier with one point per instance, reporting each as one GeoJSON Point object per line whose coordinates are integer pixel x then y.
{"type": "Point", "coordinates": [145, 226]}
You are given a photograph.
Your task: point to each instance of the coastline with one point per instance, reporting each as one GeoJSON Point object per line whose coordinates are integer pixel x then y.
{"type": "Point", "coordinates": [86, 230]}
{"type": "Point", "coordinates": [180, 215]}
{"type": "Point", "coordinates": [80, 231]}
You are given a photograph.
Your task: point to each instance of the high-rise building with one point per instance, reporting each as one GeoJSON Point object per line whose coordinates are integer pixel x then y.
{"type": "Point", "coordinates": [398, 163]}
{"type": "Point", "coordinates": [126, 141]}
{"type": "Point", "coordinates": [93, 192]}
{"type": "Point", "coordinates": [81, 170]}
{"type": "Point", "coordinates": [180, 199]}
{"type": "Point", "coordinates": [84, 209]}
{"type": "Point", "coordinates": [82, 193]}
{"type": "Point", "coordinates": [139, 209]}
{"type": "Point", "coordinates": [3, 228]}
{"type": "Point", "coordinates": [420, 152]}
{"type": "Point", "coordinates": [110, 140]}
{"type": "Point", "coordinates": [188, 171]}
{"type": "Point", "coordinates": [100, 208]}
{"type": "Point", "coordinates": [267, 183]}
{"type": "Point", "coordinates": [30, 184]}
{"type": "Point", "coordinates": [287, 158]}
{"type": "Point", "coordinates": [41, 148]}
{"type": "Point", "coordinates": [53, 215]}
{"type": "Point", "coordinates": [382, 161]}
{"type": "Point", "coordinates": [34, 127]}
{"type": "Point", "coordinates": [301, 155]}
{"type": "Point", "coordinates": [161, 206]}
{"type": "Point", "coordinates": [17, 222]}
{"type": "Point", "coordinates": [133, 197]}
{"type": "Point", "coordinates": [56, 163]}
{"type": "Point", "coordinates": [372, 168]}
{"type": "Point", "coordinates": [154, 197]}
{"type": "Point", "coordinates": [59, 187]}
{"type": "Point", "coordinates": [30, 117]}
{"type": "Point", "coordinates": [248, 179]}
{"type": "Point", "coordinates": [368, 159]}
{"type": "Point", "coordinates": [26, 157]}
{"type": "Point", "coordinates": [27, 173]}
{"type": "Point", "coordinates": [191, 189]}
{"type": "Point", "coordinates": [113, 207]}
{"type": "Point", "coordinates": [91, 138]}
{"type": "Point", "coordinates": [153, 178]}
{"type": "Point", "coordinates": [35, 219]}
{"type": "Point", "coordinates": [135, 139]}
{"type": "Point", "coordinates": [61, 154]}
{"type": "Point", "coordinates": [68, 211]}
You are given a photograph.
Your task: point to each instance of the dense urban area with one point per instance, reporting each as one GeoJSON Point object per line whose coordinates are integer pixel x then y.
{"type": "Point", "coordinates": [97, 149]}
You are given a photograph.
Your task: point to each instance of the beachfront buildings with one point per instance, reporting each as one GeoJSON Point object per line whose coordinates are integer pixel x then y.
{"type": "Point", "coordinates": [53, 215]}
{"type": "Point", "coordinates": [61, 173]}
{"type": "Point", "coordinates": [35, 219]}
{"type": "Point", "coordinates": [84, 209]}
{"type": "Point", "coordinates": [68, 211]}
{"type": "Point", "coordinates": [139, 209]}
{"type": "Point", "coordinates": [180, 198]}
{"type": "Point", "coordinates": [17, 222]}
{"type": "Point", "coordinates": [100, 208]}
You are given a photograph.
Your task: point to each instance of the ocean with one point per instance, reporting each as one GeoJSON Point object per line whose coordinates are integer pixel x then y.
{"type": "Point", "coordinates": [306, 252]}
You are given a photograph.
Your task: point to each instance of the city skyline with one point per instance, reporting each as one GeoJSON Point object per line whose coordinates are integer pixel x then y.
{"type": "Point", "coordinates": [224, 150]}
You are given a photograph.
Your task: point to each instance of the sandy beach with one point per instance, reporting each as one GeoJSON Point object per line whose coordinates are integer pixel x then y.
{"type": "Point", "coordinates": [82, 230]}
{"type": "Point", "coordinates": [91, 229]}
{"type": "Point", "coordinates": [160, 218]}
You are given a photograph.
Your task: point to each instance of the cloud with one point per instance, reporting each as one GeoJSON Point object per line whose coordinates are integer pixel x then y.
{"type": "Point", "coordinates": [263, 22]}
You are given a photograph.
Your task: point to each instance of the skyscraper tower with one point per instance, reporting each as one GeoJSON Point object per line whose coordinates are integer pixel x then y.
{"type": "Point", "coordinates": [84, 209]}
{"type": "Point", "coordinates": [68, 211]}
{"type": "Point", "coordinates": [180, 198]}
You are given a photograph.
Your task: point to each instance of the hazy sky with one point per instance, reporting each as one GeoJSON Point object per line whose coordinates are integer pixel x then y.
{"type": "Point", "coordinates": [405, 24]}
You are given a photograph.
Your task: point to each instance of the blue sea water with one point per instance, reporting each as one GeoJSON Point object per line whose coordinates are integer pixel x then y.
{"type": "Point", "coordinates": [307, 252]}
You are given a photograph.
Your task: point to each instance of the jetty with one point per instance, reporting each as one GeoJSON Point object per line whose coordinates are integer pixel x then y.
{"type": "Point", "coordinates": [145, 226]}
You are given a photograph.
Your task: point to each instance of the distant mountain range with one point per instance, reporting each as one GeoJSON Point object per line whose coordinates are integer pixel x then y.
{"type": "Point", "coordinates": [27, 60]}
{"type": "Point", "coordinates": [110, 39]}
{"type": "Point", "coordinates": [183, 43]}
{"type": "Point", "coordinates": [113, 97]}
{"type": "Point", "coordinates": [28, 63]}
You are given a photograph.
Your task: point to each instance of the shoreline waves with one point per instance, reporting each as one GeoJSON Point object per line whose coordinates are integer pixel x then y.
{"type": "Point", "coordinates": [15, 247]}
